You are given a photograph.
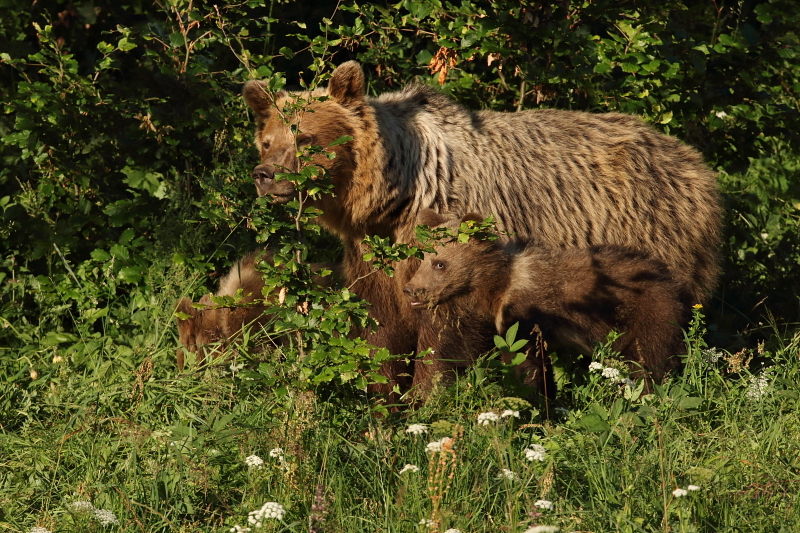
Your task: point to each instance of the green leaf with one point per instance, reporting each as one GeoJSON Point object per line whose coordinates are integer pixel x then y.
{"type": "Point", "coordinates": [602, 68]}
{"type": "Point", "coordinates": [518, 358]}
{"type": "Point", "coordinates": [100, 255]}
{"type": "Point", "coordinates": [125, 45]}
{"type": "Point", "coordinates": [286, 52]}
{"type": "Point", "coordinates": [593, 423]}
{"type": "Point", "coordinates": [689, 402]}
{"type": "Point", "coordinates": [511, 334]}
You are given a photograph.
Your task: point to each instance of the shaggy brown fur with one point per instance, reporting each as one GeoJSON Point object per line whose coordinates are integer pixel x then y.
{"type": "Point", "coordinates": [576, 297]}
{"type": "Point", "coordinates": [213, 328]}
{"type": "Point", "coordinates": [561, 179]}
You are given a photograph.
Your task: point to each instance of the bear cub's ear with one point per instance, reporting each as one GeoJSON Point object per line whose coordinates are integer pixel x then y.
{"type": "Point", "coordinates": [259, 99]}
{"type": "Point", "coordinates": [429, 217]}
{"type": "Point", "coordinates": [475, 217]}
{"type": "Point", "coordinates": [185, 307]}
{"type": "Point", "coordinates": [346, 86]}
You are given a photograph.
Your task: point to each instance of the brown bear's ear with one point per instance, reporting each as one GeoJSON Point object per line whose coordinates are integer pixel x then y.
{"type": "Point", "coordinates": [258, 98]}
{"type": "Point", "coordinates": [185, 307]}
{"type": "Point", "coordinates": [346, 85]}
{"type": "Point", "coordinates": [429, 217]}
{"type": "Point", "coordinates": [205, 300]}
{"type": "Point", "coordinates": [475, 217]}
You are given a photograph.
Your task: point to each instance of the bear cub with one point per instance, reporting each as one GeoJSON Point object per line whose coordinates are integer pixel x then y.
{"type": "Point", "coordinates": [213, 328]}
{"type": "Point", "coordinates": [477, 289]}
{"type": "Point", "coordinates": [210, 329]}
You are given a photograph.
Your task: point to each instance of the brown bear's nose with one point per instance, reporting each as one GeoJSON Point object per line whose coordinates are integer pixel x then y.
{"type": "Point", "coordinates": [262, 172]}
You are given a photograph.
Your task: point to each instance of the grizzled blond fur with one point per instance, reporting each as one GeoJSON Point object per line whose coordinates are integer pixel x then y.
{"type": "Point", "coordinates": [561, 179]}
{"type": "Point", "coordinates": [575, 297]}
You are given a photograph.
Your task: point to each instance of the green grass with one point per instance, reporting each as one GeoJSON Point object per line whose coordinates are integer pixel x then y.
{"type": "Point", "coordinates": [114, 424]}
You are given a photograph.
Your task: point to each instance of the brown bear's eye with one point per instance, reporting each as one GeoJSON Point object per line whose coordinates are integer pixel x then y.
{"type": "Point", "coordinates": [438, 265]}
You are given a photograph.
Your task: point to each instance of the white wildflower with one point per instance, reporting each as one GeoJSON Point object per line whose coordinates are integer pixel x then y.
{"type": "Point", "coordinates": [721, 114]}
{"type": "Point", "coordinates": [535, 452]}
{"type": "Point", "coordinates": [80, 507]}
{"type": "Point", "coordinates": [268, 510]}
{"type": "Point", "coordinates": [611, 373]}
{"type": "Point", "coordinates": [692, 487]}
{"type": "Point", "coordinates": [484, 419]}
{"type": "Point", "coordinates": [276, 453]}
{"type": "Point", "coordinates": [417, 429]}
{"type": "Point", "coordinates": [547, 505]}
{"type": "Point", "coordinates": [254, 461]}
{"type": "Point", "coordinates": [436, 446]}
{"type": "Point", "coordinates": [509, 412]}
{"type": "Point", "coordinates": [595, 366]}
{"type": "Point", "coordinates": [427, 523]}
{"type": "Point", "coordinates": [409, 468]}
{"type": "Point", "coordinates": [37, 529]}
{"type": "Point", "coordinates": [505, 473]}
{"type": "Point", "coordinates": [105, 517]}
{"type": "Point", "coordinates": [452, 530]}
{"type": "Point", "coordinates": [679, 493]}
{"type": "Point", "coordinates": [239, 529]}
{"type": "Point", "coordinates": [542, 529]}
{"type": "Point", "coordinates": [757, 388]}
{"type": "Point", "coordinates": [710, 355]}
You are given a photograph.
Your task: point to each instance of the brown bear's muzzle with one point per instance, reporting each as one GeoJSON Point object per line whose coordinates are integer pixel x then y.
{"type": "Point", "coordinates": [264, 180]}
{"type": "Point", "coordinates": [417, 297]}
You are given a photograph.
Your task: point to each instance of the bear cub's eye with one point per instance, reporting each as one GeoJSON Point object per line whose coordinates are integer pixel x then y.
{"type": "Point", "coordinates": [438, 265]}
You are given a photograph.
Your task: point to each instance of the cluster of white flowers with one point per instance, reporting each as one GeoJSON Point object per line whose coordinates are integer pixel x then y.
{"type": "Point", "coordinates": [436, 446]}
{"type": "Point", "coordinates": [547, 505]}
{"type": "Point", "coordinates": [535, 452]}
{"type": "Point", "coordinates": [276, 453]}
{"type": "Point", "coordinates": [254, 461]}
{"type": "Point", "coordinates": [505, 473]}
{"type": "Point", "coordinates": [610, 373]}
{"type": "Point", "coordinates": [410, 468]}
{"type": "Point", "coordinates": [542, 529]}
{"type": "Point", "coordinates": [37, 529]}
{"type": "Point", "coordinates": [758, 387]}
{"type": "Point", "coordinates": [239, 529]}
{"type": "Point", "coordinates": [484, 419]}
{"type": "Point", "coordinates": [711, 355]}
{"type": "Point", "coordinates": [268, 510]}
{"type": "Point", "coordinates": [427, 523]}
{"type": "Point", "coordinates": [105, 517]}
{"type": "Point", "coordinates": [509, 412]}
{"type": "Point", "coordinates": [417, 429]}
{"type": "Point", "coordinates": [80, 507]}
{"type": "Point", "coordinates": [452, 530]}
{"type": "Point", "coordinates": [680, 493]}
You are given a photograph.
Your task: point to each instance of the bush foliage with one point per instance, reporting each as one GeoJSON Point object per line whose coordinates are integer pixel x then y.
{"type": "Point", "coordinates": [126, 152]}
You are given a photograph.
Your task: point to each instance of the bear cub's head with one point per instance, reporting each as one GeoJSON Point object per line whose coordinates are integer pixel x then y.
{"type": "Point", "coordinates": [450, 271]}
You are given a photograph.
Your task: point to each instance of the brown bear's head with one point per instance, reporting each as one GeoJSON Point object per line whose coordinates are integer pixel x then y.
{"type": "Point", "coordinates": [282, 129]}
{"type": "Point", "coordinates": [449, 271]}
{"type": "Point", "coordinates": [202, 332]}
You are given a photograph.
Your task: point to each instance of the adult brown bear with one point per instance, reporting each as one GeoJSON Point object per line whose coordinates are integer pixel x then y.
{"type": "Point", "coordinates": [473, 290]}
{"type": "Point", "coordinates": [561, 179]}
